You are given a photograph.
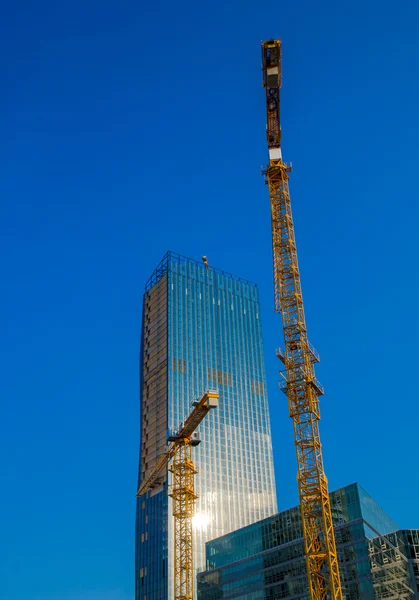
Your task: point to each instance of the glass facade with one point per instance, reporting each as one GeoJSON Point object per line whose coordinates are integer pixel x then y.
{"type": "Point", "coordinates": [265, 561]}
{"type": "Point", "coordinates": [201, 330]}
{"type": "Point", "coordinates": [410, 548]}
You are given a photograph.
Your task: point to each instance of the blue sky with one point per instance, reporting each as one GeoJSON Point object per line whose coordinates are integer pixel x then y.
{"type": "Point", "coordinates": [129, 129]}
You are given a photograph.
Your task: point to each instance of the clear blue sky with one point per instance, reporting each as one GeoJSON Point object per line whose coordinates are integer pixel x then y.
{"type": "Point", "coordinates": [130, 128]}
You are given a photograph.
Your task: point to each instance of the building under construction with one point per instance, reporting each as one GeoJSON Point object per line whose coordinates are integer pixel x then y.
{"type": "Point", "coordinates": [201, 331]}
{"type": "Point", "coordinates": [266, 560]}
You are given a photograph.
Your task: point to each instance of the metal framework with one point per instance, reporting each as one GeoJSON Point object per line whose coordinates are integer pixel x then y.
{"type": "Point", "coordinates": [173, 257]}
{"type": "Point", "coordinates": [299, 381]}
{"type": "Point", "coordinates": [182, 490]}
{"type": "Point", "coordinates": [184, 496]}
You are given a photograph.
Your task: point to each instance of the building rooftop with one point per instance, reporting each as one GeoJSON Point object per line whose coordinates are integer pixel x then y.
{"type": "Point", "coordinates": [173, 257]}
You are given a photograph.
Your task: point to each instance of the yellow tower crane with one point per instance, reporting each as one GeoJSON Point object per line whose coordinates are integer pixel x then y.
{"type": "Point", "coordinates": [299, 380]}
{"type": "Point", "coordinates": [182, 490]}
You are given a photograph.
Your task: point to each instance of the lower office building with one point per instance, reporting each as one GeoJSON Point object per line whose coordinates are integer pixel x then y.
{"type": "Point", "coordinates": [266, 561]}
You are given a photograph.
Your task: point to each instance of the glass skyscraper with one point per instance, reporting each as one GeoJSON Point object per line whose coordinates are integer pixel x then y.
{"type": "Point", "coordinates": [201, 329]}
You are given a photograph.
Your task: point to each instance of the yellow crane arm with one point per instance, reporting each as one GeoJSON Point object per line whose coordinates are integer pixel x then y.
{"type": "Point", "coordinates": [300, 383]}
{"type": "Point", "coordinates": [202, 407]}
{"type": "Point", "coordinates": [158, 470]}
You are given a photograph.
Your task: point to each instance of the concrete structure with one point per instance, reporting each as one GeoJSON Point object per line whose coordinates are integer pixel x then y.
{"type": "Point", "coordinates": [265, 561]}
{"type": "Point", "coordinates": [201, 329]}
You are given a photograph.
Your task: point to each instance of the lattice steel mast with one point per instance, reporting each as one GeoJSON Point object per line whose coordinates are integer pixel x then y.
{"type": "Point", "coordinates": [299, 383]}
{"type": "Point", "coordinates": [182, 490]}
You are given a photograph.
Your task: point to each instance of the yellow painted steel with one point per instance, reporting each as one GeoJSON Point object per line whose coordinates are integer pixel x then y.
{"type": "Point", "coordinates": [301, 386]}
{"type": "Point", "coordinates": [182, 491]}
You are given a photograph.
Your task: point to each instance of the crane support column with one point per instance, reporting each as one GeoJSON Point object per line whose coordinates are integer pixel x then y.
{"type": "Point", "coordinates": [299, 380]}
{"type": "Point", "coordinates": [183, 493]}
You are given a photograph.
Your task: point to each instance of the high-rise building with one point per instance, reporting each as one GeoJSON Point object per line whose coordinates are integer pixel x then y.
{"type": "Point", "coordinates": [201, 329]}
{"type": "Point", "coordinates": [266, 561]}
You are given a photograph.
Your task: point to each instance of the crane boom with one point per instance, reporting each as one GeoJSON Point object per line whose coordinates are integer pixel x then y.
{"type": "Point", "coordinates": [299, 380]}
{"type": "Point", "coordinates": [182, 490]}
{"type": "Point", "coordinates": [156, 473]}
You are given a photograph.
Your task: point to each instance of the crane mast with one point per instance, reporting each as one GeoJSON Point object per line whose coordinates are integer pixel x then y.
{"type": "Point", "coordinates": [299, 380]}
{"type": "Point", "coordinates": [182, 490]}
